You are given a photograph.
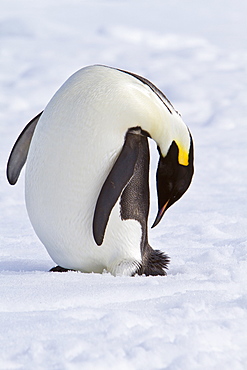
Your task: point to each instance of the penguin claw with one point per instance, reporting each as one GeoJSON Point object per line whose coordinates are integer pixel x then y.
{"type": "Point", "coordinates": [59, 269]}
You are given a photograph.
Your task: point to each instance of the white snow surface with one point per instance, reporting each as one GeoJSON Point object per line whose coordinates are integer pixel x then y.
{"type": "Point", "coordinates": [195, 51]}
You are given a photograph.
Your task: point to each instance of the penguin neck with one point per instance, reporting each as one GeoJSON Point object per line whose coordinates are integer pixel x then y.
{"type": "Point", "coordinates": [164, 128]}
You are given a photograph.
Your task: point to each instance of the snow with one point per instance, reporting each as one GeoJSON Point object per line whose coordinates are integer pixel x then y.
{"type": "Point", "coordinates": [196, 317]}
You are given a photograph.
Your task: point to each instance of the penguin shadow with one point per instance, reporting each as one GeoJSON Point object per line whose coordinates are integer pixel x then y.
{"type": "Point", "coordinates": [23, 266]}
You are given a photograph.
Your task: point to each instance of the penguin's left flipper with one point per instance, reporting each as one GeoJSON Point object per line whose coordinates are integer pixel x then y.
{"type": "Point", "coordinates": [18, 155]}
{"type": "Point", "coordinates": [116, 181]}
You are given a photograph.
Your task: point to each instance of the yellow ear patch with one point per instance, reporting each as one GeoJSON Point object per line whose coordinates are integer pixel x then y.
{"type": "Point", "coordinates": [183, 155]}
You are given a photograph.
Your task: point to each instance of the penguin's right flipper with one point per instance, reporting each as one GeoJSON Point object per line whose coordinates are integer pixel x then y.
{"type": "Point", "coordinates": [116, 181]}
{"type": "Point", "coordinates": [19, 152]}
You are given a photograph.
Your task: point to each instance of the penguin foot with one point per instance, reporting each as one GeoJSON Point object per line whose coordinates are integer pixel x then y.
{"type": "Point", "coordinates": [156, 262]}
{"type": "Point", "coordinates": [59, 269]}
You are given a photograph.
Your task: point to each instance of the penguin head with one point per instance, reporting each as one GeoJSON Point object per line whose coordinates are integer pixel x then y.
{"type": "Point", "coordinates": [174, 174]}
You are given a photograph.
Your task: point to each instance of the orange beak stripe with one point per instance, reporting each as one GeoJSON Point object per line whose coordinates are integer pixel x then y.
{"type": "Point", "coordinates": [164, 208]}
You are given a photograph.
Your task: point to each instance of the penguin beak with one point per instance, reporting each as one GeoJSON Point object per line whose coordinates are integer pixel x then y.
{"type": "Point", "coordinates": [160, 214]}
{"type": "Point", "coordinates": [173, 179]}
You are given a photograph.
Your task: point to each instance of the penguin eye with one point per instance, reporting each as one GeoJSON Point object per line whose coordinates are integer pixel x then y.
{"type": "Point", "coordinates": [169, 186]}
{"type": "Point", "coordinates": [181, 186]}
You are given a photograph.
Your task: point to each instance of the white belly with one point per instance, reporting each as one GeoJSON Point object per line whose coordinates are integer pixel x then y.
{"type": "Point", "coordinates": [69, 159]}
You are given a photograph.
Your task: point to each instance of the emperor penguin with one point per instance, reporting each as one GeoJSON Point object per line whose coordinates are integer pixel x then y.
{"type": "Point", "coordinates": [87, 171]}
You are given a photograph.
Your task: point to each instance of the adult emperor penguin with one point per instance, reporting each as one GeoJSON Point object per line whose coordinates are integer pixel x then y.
{"type": "Point", "coordinates": [87, 171]}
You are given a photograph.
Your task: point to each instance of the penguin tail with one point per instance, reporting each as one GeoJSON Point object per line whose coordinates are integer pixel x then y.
{"type": "Point", "coordinates": [155, 263]}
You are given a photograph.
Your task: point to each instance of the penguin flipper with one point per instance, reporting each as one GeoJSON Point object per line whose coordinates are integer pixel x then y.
{"type": "Point", "coordinates": [20, 149]}
{"type": "Point", "coordinates": [116, 181]}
